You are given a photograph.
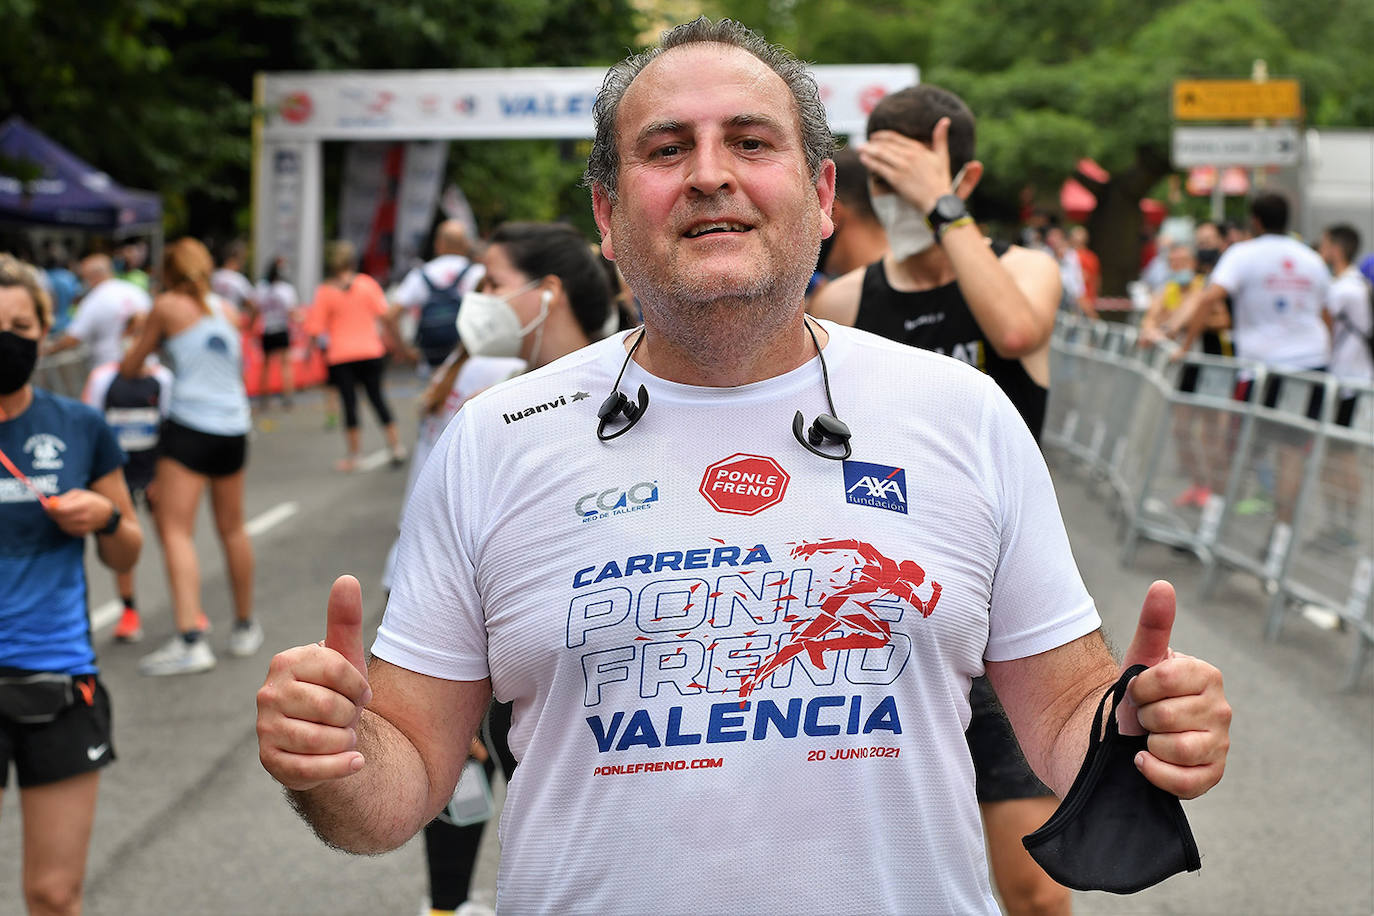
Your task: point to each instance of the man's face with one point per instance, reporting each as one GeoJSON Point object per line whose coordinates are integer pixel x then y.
{"type": "Point", "coordinates": [1327, 249]}
{"type": "Point", "coordinates": [1208, 237]}
{"type": "Point", "coordinates": [715, 199]}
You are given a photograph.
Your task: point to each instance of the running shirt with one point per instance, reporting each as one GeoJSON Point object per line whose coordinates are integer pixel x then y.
{"type": "Point", "coordinates": [275, 302]}
{"type": "Point", "coordinates": [208, 395]}
{"type": "Point", "coordinates": [134, 408]}
{"type": "Point", "coordinates": [413, 291]}
{"type": "Point", "coordinates": [1277, 287]}
{"type": "Point", "coordinates": [939, 320]}
{"type": "Point", "coordinates": [348, 318]}
{"type": "Point", "coordinates": [59, 444]}
{"type": "Point", "coordinates": [740, 672]}
{"type": "Point", "coordinates": [232, 286]}
{"type": "Point", "coordinates": [1349, 305]}
{"type": "Point", "coordinates": [101, 316]}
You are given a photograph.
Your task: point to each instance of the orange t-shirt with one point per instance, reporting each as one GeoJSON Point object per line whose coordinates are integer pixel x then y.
{"type": "Point", "coordinates": [348, 318]}
{"type": "Point", "coordinates": [1092, 273]}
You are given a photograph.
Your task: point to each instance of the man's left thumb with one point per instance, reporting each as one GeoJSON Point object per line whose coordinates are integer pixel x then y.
{"type": "Point", "coordinates": [1150, 645]}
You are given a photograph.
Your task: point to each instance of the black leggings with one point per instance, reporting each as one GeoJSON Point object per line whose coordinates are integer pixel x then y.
{"type": "Point", "coordinates": [451, 851]}
{"type": "Point", "coordinates": [346, 377]}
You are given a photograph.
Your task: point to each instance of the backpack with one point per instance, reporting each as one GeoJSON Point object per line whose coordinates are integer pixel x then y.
{"type": "Point", "coordinates": [437, 332]}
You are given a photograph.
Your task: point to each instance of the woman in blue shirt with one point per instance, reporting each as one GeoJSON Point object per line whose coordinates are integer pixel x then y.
{"type": "Point", "coordinates": [62, 480]}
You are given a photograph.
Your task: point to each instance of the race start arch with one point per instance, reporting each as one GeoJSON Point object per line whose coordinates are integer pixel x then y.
{"type": "Point", "coordinates": [299, 111]}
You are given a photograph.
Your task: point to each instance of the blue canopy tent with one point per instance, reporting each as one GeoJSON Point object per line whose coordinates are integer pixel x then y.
{"type": "Point", "coordinates": [54, 188]}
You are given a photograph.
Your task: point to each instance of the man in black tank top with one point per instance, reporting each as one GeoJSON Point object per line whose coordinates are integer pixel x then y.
{"type": "Point", "coordinates": [942, 287]}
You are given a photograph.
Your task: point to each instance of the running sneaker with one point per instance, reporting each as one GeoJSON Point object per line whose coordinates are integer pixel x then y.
{"type": "Point", "coordinates": [130, 626]}
{"type": "Point", "coordinates": [1262, 504]}
{"type": "Point", "coordinates": [245, 638]}
{"type": "Point", "coordinates": [1193, 496]}
{"type": "Point", "coordinates": [178, 657]}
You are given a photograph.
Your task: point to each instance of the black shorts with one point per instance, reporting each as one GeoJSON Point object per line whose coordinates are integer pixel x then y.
{"type": "Point", "coordinates": [204, 453]}
{"type": "Point", "coordinates": [272, 341]}
{"type": "Point", "coordinates": [1273, 386]}
{"type": "Point", "coordinates": [999, 767]}
{"type": "Point", "coordinates": [78, 741]}
{"type": "Point", "coordinates": [1345, 411]}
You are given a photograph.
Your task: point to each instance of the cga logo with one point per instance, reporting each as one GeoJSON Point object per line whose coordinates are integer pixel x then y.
{"type": "Point", "coordinates": [615, 501]}
{"type": "Point", "coordinates": [875, 485]}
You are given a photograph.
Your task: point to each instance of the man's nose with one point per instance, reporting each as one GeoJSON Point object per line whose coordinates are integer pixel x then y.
{"type": "Point", "coordinates": [712, 169]}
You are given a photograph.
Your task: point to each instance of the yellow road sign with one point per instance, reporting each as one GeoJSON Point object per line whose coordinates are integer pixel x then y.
{"type": "Point", "coordinates": [1237, 100]}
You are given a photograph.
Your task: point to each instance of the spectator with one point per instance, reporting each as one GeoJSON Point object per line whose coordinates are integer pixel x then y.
{"type": "Point", "coordinates": [65, 483]}
{"type": "Point", "coordinates": [1090, 265]}
{"type": "Point", "coordinates": [108, 306]}
{"type": "Point", "coordinates": [1348, 317]}
{"type": "Point", "coordinates": [204, 444]}
{"type": "Point", "coordinates": [1070, 271]}
{"type": "Point", "coordinates": [347, 308]}
{"type": "Point", "coordinates": [62, 283]}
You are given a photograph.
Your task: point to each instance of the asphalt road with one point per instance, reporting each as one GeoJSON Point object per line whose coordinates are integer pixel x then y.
{"type": "Point", "coordinates": [188, 822]}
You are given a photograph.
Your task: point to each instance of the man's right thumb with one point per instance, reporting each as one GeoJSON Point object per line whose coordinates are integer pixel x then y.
{"type": "Point", "coordinates": [344, 629]}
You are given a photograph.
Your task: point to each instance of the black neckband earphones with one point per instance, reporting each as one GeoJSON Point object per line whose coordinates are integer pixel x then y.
{"type": "Point", "coordinates": [617, 404]}
{"type": "Point", "coordinates": [826, 428]}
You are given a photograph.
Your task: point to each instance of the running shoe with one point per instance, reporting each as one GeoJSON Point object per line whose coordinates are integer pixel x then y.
{"type": "Point", "coordinates": [1263, 504]}
{"type": "Point", "coordinates": [130, 626]}
{"type": "Point", "coordinates": [178, 657]}
{"type": "Point", "coordinates": [245, 638]}
{"type": "Point", "coordinates": [1193, 496]}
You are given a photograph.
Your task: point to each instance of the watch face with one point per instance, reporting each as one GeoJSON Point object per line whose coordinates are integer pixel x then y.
{"type": "Point", "coordinates": [950, 207]}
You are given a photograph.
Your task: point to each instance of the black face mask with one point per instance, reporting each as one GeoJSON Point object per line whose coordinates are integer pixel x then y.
{"type": "Point", "coordinates": [1115, 830]}
{"type": "Point", "coordinates": [18, 356]}
{"type": "Point", "coordinates": [1207, 257]}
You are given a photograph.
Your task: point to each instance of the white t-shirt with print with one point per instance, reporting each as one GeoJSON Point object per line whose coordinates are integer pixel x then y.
{"type": "Point", "coordinates": [740, 672]}
{"type": "Point", "coordinates": [412, 293]}
{"type": "Point", "coordinates": [100, 318]}
{"type": "Point", "coordinates": [232, 286]}
{"type": "Point", "coordinates": [1349, 305]}
{"type": "Point", "coordinates": [1278, 287]}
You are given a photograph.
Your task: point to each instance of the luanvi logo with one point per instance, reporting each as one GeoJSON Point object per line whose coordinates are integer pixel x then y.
{"type": "Point", "coordinates": [560, 401]}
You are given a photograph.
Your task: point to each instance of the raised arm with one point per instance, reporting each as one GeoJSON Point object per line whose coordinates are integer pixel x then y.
{"type": "Point", "coordinates": [368, 753]}
{"type": "Point", "coordinates": [1050, 699]}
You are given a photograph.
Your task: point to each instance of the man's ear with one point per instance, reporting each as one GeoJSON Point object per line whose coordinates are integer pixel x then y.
{"type": "Point", "coordinates": [973, 173]}
{"type": "Point", "coordinates": [601, 211]}
{"type": "Point", "coordinates": [825, 193]}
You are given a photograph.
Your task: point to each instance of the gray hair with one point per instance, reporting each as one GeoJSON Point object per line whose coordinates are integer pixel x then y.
{"type": "Point", "coordinates": [603, 163]}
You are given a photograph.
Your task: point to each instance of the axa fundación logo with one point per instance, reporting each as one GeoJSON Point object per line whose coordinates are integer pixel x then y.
{"type": "Point", "coordinates": [875, 485]}
{"type": "Point", "coordinates": [601, 504]}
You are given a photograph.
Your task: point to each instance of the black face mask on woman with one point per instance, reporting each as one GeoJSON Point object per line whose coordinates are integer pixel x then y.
{"type": "Point", "coordinates": [18, 356]}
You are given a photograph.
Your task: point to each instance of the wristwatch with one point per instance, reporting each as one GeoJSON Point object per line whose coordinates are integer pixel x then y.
{"type": "Point", "coordinates": [113, 524]}
{"type": "Point", "coordinates": [949, 209]}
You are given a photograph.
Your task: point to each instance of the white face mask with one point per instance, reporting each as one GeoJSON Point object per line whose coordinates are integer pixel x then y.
{"type": "Point", "coordinates": [488, 326]}
{"type": "Point", "coordinates": [908, 232]}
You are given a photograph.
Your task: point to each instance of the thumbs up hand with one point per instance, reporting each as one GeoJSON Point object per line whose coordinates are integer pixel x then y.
{"type": "Point", "coordinates": [1179, 701]}
{"type": "Point", "coordinates": [310, 704]}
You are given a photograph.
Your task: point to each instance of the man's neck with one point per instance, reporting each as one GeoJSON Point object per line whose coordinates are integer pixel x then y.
{"type": "Point", "coordinates": [15, 403]}
{"type": "Point", "coordinates": [727, 353]}
{"type": "Point", "coordinates": [922, 271]}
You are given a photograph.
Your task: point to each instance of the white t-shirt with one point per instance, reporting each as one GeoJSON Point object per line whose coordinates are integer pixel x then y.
{"type": "Point", "coordinates": [100, 318]}
{"type": "Point", "coordinates": [275, 302]}
{"type": "Point", "coordinates": [624, 614]}
{"type": "Point", "coordinates": [1278, 287]}
{"type": "Point", "coordinates": [1349, 305]}
{"type": "Point", "coordinates": [231, 285]}
{"type": "Point", "coordinates": [413, 292]}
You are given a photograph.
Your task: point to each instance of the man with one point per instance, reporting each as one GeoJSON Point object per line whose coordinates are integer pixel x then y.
{"type": "Point", "coordinates": [1277, 287]}
{"type": "Point", "coordinates": [859, 237]}
{"type": "Point", "coordinates": [229, 282]}
{"type": "Point", "coordinates": [992, 306]}
{"type": "Point", "coordinates": [1070, 271]}
{"type": "Point", "coordinates": [435, 289]}
{"type": "Point", "coordinates": [708, 537]}
{"type": "Point", "coordinates": [108, 306]}
{"type": "Point", "coordinates": [1347, 314]}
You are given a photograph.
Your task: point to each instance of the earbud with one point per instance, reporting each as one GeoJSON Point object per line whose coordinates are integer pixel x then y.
{"type": "Point", "coordinates": [545, 298]}
{"type": "Point", "coordinates": [618, 405]}
{"type": "Point", "coordinates": [825, 429]}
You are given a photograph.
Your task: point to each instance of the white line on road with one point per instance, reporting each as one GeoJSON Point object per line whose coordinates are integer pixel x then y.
{"type": "Point", "coordinates": [374, 461]}
{"type": "Point", "coordinates": [109, 612]}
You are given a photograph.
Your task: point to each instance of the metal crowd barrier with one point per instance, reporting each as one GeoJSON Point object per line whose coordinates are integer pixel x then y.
{"type": "Point", "coordinates": [1247, 468]}
{"type": "Point", "coordinates": [63, 373]}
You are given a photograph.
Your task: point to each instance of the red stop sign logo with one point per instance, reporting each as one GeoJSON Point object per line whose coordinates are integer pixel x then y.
{"type": "Point", "coordinates": [744, 484]}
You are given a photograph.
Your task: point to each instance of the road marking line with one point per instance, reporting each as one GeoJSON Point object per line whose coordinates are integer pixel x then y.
{"type": "Point", "coordinates": [373, 461]}
{"type": "Point", "coordinates": [271, 518]}
{"type": "Point", "coordinates": [110, 611]}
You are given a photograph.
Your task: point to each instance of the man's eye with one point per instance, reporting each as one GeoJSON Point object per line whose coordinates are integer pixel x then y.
{"type": "Point", "coordinates": [672, 149]}
{"type": "Point", "coordinates": [751, 144]}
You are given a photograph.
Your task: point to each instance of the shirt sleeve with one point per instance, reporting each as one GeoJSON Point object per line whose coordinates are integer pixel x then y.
{"type": "Point", "coordinates": [1227, 272]}
{"type": "Point", "coordinates": [412, 291]}
{"type": "Point", "coordinates": [434, 623]}
{"type": "Point", "coordinates": [1039, 600]}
